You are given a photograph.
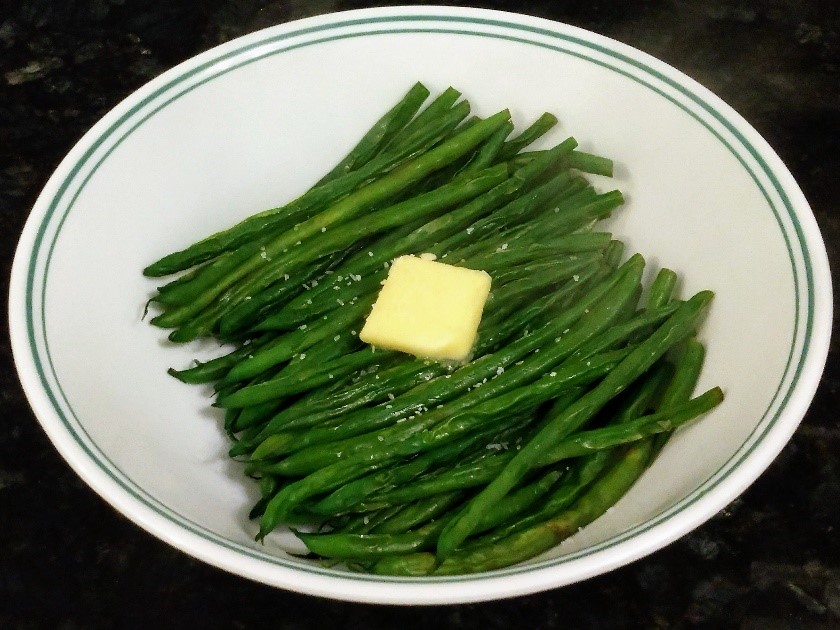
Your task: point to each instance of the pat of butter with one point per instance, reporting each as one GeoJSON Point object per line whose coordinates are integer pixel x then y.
{"type": "Point", "coordinates": [427, 308]}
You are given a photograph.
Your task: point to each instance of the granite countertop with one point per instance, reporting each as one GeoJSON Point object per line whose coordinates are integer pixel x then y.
{"type": "Point", "coordinates": [67, 560]}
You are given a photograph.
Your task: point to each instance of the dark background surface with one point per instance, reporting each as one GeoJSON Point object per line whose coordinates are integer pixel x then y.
{"type": "Point", "coordinates": [67, 560]}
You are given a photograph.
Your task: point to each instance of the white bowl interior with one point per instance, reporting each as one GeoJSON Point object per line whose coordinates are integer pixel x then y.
{"type": "Point", "coordinates": [253, 129]}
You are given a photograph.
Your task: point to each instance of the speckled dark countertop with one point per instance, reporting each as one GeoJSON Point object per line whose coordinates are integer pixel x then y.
{"type": "Point", "coordinates": [67, 560]}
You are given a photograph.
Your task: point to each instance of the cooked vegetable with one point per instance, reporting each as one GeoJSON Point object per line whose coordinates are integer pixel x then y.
{"type": "Point", "coordinates": [405, 466]}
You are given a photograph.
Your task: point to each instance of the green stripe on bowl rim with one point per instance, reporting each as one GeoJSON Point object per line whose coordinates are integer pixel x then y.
{"type": "Point", "coordinates": [276, 41]}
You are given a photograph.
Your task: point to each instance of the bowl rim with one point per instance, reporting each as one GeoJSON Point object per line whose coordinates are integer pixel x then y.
{"type": "Point", "coordinates": [712, 495]}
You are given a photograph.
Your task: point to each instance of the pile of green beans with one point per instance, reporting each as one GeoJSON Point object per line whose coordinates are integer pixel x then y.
{"type": "Point", "coordinates": [398, 465]}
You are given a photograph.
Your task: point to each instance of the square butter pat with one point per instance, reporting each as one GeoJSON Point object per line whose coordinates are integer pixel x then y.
{"type": "Point", "coordinates": [427, 308]}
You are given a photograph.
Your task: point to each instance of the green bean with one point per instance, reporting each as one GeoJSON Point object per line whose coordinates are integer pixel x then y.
{"type": "Point", "coordinates": [405, 565]}
{"type": "Point", "coordinates": [378, 254]}
{"type": "Point", "coordinates": [533, 541]}
{"type": "Point", "coordinates": [277, 267]}
{"type": "Point", "coordinates": [677, 328]}
{"type": "Point", "coordinates": [522, 208]}
{"type": "Point", "coordinates": [488, 153]}
{"type": "Point", "coordinates": [502, 237]}
{"type": "Point", "coordinates": [459, 477]}
{"type": "Point", "coordinates": [687, 373]}
{"type": "Point", "coordinates": [296, 381]}
{"type": "Point", "coordinates": [281, 217]}
{"type": "Point", "coordinates": [439, 106]}
{"type": "Point", "coordinates": [661, 288]}
{"type": "Point", "coordinates": [368, 452]}
{"type": "Point", "coordinates": [636, 327]}
{"type": "Point", "coordinates": [582, 474]}
{"type": "Point", "coordinates": [571, 217]}
{"type": "Point", "coordinates": [244, 315]}
{"type": "Point", "coordinates": [295, 493]}
{"type": "Point", "coordinates": [260, 414]}
{"type": "Point", "coordinates": [365, 523]}
{"type": "Point", "coordinates": [381, 133]}
{"type": "Point", "coordinates": [320, 408]}
{"type": "Point", "coordinates": [495, 329]}
{"type": "Point", "coordinates": [392, 535]}
{"type": "Point", "coordinates": [283, 349]}
{"type": "Point", "coordinates": [181, 292]}
{"type": "Point", "coordinates": [214, 369]}
{"type": "Point", "coordinates": [538, 128]}
{"type": "Point", "coordinates": [418, 513]}
{"type": "Point", "coordinates": [348, 207]}
{"type": "Point", "coordinates": [290, 382]}
{"type": "Point", "coordinates": [441, 389]}
{"type": "Point", "coordinates": [566, 376]}
{"type": "Point", "coordinates": [268, 488]}
{"type": "Point", "coordinates": [354, 287]}
{"type": "Point", "coordinates": [668, 419]}
{"type": "Point", "coordinates": [353, 492]}
{"type": "Point", "coordinates": [366, 546]}
{"type": "Point", "coordinates": [602, 495]}
{"type": "Point", "coordinates": [589, 163]}
{"type": "Point", "coordinates": [580, 160]}
{"type": "Point", "coordinates": [519, 501]}
{"type": "Point", "coordinates": [253, 416]}
{"type": "Point", "coordinates": [514, 312]}
{"type": "Point", "coordinates": [452, 172]}
{"type": "Point", "coordinates": [413, 467]}
{"type": "Point", "coordinates": [584, 470]}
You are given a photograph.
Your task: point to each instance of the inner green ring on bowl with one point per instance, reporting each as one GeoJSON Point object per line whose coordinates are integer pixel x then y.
{"type": "Point", "coordinates": [122, 128]}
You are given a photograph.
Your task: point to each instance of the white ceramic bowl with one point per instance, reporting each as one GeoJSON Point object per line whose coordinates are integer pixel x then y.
{"type": "Point", "coordinates": [254, 122]}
